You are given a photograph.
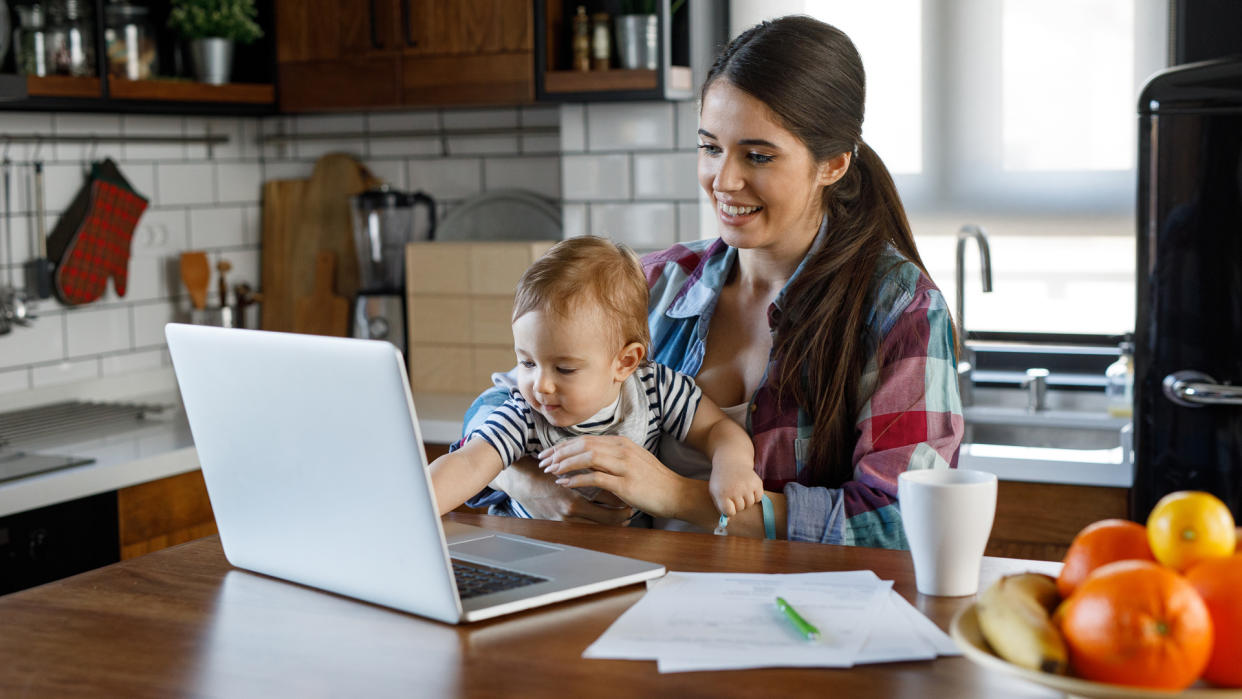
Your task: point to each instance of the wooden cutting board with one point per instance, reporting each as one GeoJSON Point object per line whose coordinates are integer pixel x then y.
{"type": "Point", "coordinates": [325, 223]}
{"type": "Point", "coordinates": [322, 312]}
{"type": "Point", "coordinates": [282, 200]}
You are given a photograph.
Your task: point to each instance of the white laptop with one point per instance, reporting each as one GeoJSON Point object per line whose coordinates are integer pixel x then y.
{"type": "Point", "coordinates": [316, 471]}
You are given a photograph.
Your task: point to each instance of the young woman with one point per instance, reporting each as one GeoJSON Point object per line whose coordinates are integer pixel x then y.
{"type": "Point", "coordinates": [811, 319]}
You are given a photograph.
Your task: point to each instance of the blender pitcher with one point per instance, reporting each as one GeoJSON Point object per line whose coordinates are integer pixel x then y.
{"type": "Point", "coordinates": [384, 222]}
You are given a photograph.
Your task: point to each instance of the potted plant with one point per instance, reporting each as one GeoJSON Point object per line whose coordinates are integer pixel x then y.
{"type": "Point", "coordinates": [212, 27]}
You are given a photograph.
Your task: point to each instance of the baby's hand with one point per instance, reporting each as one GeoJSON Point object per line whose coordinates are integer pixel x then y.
{"type": "Point", "coordinates": [734, 491]}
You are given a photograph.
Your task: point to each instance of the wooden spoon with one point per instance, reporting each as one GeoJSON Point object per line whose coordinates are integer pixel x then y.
{"type": "Point", "coordinates": [194, 274]}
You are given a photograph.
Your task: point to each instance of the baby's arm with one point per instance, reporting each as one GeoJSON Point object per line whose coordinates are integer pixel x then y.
{"type": "Point", "coordinates": [734, 485]}
{"type": "Point", "coordinates": [458, 475]}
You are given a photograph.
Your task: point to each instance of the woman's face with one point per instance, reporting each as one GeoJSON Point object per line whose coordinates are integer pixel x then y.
{"type": "Point", "coordinates": [766, 185]}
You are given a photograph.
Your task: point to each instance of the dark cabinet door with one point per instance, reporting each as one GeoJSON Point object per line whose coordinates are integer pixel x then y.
{"type": "Point", "coordinates": [468, 52]}
{"type": "Point", "coordinates": [338, 54]}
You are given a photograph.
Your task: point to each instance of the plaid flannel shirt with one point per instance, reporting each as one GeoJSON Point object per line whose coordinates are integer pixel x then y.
{"type": "Point", "coordinates": [911, 416]}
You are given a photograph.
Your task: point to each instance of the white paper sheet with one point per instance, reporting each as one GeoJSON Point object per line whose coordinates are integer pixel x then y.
{"type": "Point", "coordinates": [712, 621]}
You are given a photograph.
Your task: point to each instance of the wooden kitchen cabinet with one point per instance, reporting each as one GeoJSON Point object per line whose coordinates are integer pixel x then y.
{"type": "Point", "coordinates": [336, 55]}
{"type": "Point", "coordinates": [1039, 520]}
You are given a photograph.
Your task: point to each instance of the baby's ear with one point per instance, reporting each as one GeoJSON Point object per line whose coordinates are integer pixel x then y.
{"type": "Point", "coordinates": [628, 360]}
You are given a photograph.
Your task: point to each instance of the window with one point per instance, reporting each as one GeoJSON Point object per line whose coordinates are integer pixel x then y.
{"type": "Point", "coordinates": [1020, 116]}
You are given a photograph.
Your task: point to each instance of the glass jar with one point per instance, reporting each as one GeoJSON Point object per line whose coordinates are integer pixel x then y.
{"type": "Point", "coordinates": [30, 40]}
{"type": "Point", "coordinates": [70, 38]}
{"type": "Point", "coordinates": [129, 39]}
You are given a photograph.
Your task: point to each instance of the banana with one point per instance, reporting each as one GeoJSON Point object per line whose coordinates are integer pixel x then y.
{"type": "Point", "coordinates": [1015, 617]}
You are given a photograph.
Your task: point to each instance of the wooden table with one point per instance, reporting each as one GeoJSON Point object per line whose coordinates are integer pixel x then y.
{"type": "Point", "coordinates": [182, 622]}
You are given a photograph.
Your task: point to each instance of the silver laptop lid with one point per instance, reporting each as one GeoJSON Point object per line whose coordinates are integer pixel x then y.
{"type": "Point", "coordinates": [314, 463]}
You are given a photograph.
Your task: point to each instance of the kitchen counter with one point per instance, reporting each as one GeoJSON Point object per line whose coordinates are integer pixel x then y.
{"type": "Point", "coordinates": [162, 446]}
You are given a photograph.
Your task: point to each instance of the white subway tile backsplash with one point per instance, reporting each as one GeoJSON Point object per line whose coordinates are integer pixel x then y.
{"type": "Point", "coordinates": [574, 220]}
{"type": "Point", "coordinates": [573, 128]}
{"type": "Point", "coordinates": [144, 125]}
{"type": "Point", "coordinates": [128, 363]}
{"type": "Point", "coordinates": [141, 177]}
{"type": "Point", "coordinates": [61, 183]}
{"type": "Point", "coordinates": [65, 372]}
{"type": "Point", "coordinates": [390, 171]}
{"type": "Point", "coordinates": [455, 119]}
{"type": "Point", "coordinates": [152, 277]}
{"type": "Point", "coordinates": [27, 123]}
{"type": "Point", "coordinates": [540, 143]}
{"type": "Point", "coordinates": [595, 177]}
{"type": "Point", "coordinates": [94, 331]}
{"type": "Point", "coordinates": [161, 232]}
{"type": "Point", "coordinates": [186, 183]}
{"type": "Point", "coordinates": [625, 170]}
{"type": "Point", "coordinates": [665, 176]}
{"type": "Point", "coordinates": [43, 340]}
{"type": "Point", "coordinates": [483, 145]}
{"type": "Point", "coordinates": [149, 322]}
{"type": "Point", "coordinates": [687, 125]}
{"type": "Point", "coordinates": [214, 228]}
{"type": "Point", "coordinates": [630, 126]}
{"type": "Point", "coordinates": [448, 178]}
{"type": "Point", "coordinates": [540, 116]}
{"type": "Point", "coordinates": [381, 122]}
{"type": "Point", "coordinates": [287, 169]}
{"type": "Point", "coordinates": [72, 124]}
{"type": "Point", "coordinates": [14, 380]}
{"type": "Point", "coordinates": [688, 221]}
{"type": "Point", "coordinates": [541, 175]}
{"type": "Point", "coordinates": [239, 182]}
{"type": "Point", "coordinates": [641, 226]}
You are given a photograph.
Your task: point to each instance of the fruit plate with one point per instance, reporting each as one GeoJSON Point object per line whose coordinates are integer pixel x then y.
{"type": "Point", "coordinates": [965, 631]}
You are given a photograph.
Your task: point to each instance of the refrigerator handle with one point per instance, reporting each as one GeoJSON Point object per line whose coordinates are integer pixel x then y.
{"type": "Point", "coordinates": [1194, 389]}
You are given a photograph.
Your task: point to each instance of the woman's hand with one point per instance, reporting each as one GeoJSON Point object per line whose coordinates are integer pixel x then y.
{"type": "Point", "coordinates": [621, 466]}
{"type": "Point", "coordinates": [539, 494]}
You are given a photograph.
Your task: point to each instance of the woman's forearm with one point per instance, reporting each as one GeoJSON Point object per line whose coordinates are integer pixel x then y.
{"type": "Point", "coordinates": [696, 507]}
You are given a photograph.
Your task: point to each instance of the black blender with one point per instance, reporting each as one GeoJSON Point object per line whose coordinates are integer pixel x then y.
{"type": "Point", "coordinates": [384, 222]}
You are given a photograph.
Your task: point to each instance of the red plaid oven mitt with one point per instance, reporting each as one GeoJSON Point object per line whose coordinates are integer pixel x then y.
{"type": "Point", "coordinates": [98, 247]}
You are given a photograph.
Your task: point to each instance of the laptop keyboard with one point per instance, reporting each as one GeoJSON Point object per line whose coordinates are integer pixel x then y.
{"type": "Point", "coordinates": [474, 579]}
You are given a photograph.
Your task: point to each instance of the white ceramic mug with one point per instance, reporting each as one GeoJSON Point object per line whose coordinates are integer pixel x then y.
{"type": "Point", "coordinates": [947, 515]}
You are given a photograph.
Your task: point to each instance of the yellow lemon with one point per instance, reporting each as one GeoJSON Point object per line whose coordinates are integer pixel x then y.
{"type": "Point", "coordinates": [1189, 526]}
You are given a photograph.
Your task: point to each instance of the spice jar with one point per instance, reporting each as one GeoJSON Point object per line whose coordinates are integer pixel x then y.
{"type": "Point", "coordinates": [30, 40]}
{"type": "Point", "coordinates": [601, 42]}
{"type": "Point", "coordinates": [129, 38]}
{"type": "Point", "coordinates": [70, 38]}
{"type": "Point", "coordinates": [582, 40]}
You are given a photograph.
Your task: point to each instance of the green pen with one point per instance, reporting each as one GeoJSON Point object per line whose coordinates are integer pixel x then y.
{"type": "Point", "coordinates": [803, 626]}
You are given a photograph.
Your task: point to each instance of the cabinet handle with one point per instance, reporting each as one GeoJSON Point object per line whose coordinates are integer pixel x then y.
{"type": "Point", "coordinates": [1193, 389]}
{"type": "Point", "coordinates": [375, 42]}
{"type": "Point", "coordinates": [405, 24]}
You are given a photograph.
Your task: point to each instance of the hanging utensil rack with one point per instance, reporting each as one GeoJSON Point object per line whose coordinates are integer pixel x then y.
{"type": "Point", "coordinates": [209, 139]}
{"type": "Point", "coordinates": [442, 134]}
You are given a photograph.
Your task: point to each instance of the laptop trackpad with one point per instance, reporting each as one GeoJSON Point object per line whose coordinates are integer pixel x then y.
{"type": "Point", "coordinates": [501, 548]}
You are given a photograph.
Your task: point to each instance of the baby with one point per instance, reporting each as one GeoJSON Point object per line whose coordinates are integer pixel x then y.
{"type": "Point", "coordinates": [581, 337]}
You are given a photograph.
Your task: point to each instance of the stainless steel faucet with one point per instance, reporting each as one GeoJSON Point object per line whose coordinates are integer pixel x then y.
{"type": "Point", "coordinates": [1036, 385]}
{"type": "Point", "coordinates": [966, 362]}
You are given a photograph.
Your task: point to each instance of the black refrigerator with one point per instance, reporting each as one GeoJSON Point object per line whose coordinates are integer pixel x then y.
{"type": "Point", "coordinates": [1188, 329]}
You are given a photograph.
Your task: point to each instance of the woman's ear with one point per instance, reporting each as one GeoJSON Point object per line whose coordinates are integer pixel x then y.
{"type": "Point", "coordinates": [628, 360]}
{"type": "Point", "coordinates": [833, 169]}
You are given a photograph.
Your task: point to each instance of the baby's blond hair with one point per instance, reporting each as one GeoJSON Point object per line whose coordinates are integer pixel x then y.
{"type": "Point", "coordinates": [589, 270]}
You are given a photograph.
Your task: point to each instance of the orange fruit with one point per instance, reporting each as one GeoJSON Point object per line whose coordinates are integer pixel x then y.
{"type": "Point", "coordinates": [1102, 542]}
{"type": "Point", "coordinates": [1136, 623]}
{"type": "Point", "coordinates": [1188, 526]}
{"type": "Point", "coordinates": [1219, 582]}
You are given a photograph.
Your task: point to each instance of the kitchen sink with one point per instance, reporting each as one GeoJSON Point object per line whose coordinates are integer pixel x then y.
{"type": "Point", "coordinates": [1073, 441]}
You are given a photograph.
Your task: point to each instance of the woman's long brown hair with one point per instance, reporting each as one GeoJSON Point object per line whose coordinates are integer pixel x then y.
{"type": "Point", "coordinates": [811, 77]}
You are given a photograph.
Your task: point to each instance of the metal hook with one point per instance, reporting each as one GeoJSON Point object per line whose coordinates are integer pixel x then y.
{"type": "Point", "coordinates": [34, 157]}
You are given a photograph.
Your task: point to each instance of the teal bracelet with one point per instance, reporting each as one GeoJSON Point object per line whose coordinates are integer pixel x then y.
{"type": "Point", "coordinates": [769, 520]}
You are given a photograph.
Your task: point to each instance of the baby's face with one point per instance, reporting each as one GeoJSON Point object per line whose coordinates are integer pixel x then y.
{"type": "Point", "coordinates": [568, 368]}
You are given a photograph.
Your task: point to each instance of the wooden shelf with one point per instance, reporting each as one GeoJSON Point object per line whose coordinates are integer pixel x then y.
{"type": "Point", "coordinates": [63, 86]}
{"type": "Point", "coordinates": [188, 91]}
{"type": "Point", "coordinates": [599, 80]}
